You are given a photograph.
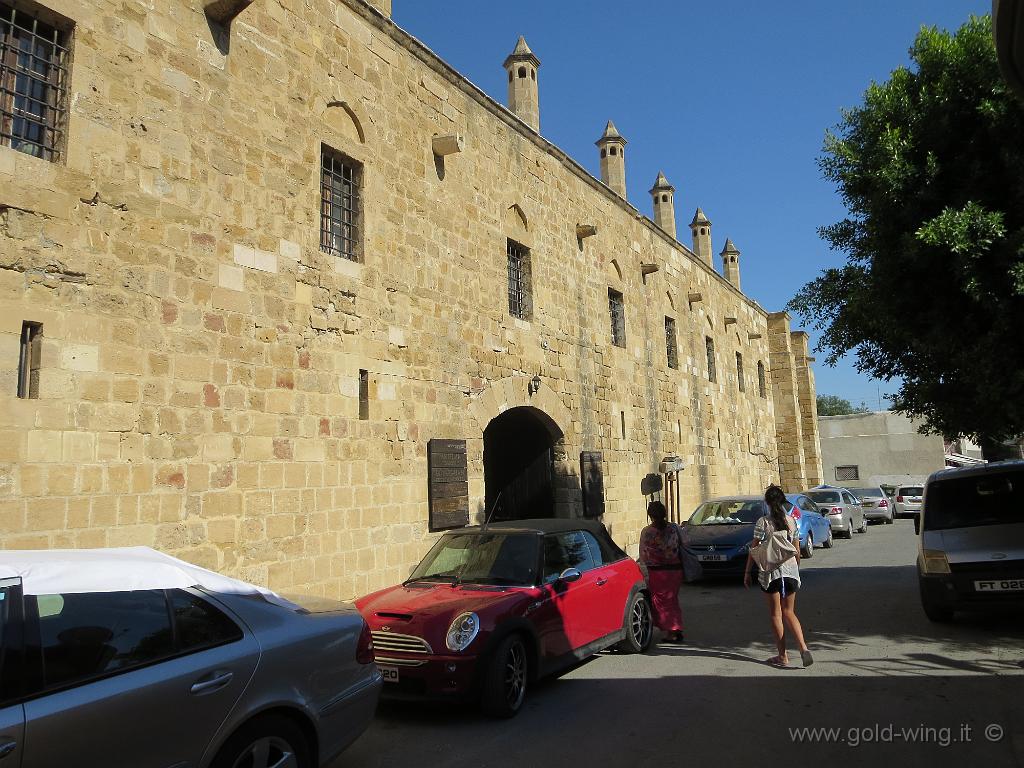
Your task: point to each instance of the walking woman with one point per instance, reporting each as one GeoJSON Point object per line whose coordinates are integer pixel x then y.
{"type": "Point", "coordinates": [661, 551]}
{"type": "Point", "coordinates": [781, 584]}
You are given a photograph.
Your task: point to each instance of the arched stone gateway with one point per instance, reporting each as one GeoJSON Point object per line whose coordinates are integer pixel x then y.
{"type": "Point", "coordinates": [527, 471]}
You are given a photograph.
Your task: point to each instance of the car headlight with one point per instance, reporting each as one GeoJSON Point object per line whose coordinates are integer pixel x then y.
{"type": "Point", "coordinates": [934, 561]}
{"type": "Point", "coordinates": [463, 631]}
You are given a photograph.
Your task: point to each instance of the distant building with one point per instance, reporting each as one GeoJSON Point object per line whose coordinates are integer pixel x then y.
{"type": "Point", "coordinates": [877, 448]}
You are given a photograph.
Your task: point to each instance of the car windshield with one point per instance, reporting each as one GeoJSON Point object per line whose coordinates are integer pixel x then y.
{"type": "Point", "coordinates": [911, 490]}
{"type": "Point", "coordinates": [481, 558]}
{"type": "Point", "coordinates": [868, 492]}
{"type": "Point", "coordinates": [728, 512]}
{"type": "Point", "coordinates": [965, 502]}
{"type": "Point", "coordinates": [825, 497]}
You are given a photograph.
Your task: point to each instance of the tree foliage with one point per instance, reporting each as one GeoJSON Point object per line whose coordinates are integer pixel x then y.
{"type": "Point", "coordinates": [833, 405]}
{"type": "Point", "coordinates": [931, 169]}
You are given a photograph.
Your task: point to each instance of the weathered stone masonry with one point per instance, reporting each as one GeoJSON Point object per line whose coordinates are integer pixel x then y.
{"type": "Point", "coordinates": [199, 377]}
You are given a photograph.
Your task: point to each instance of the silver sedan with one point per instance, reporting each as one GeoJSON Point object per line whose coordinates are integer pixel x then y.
{"type": "Point", "coordinates": [127, 658]}
{"type": "Point", "coordinates": [841, 508]}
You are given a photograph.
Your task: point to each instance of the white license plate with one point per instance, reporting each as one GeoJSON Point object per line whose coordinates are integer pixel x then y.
{"type": "Point", "coordinates": [868, 504]}
{"type": "Point", "coordinates": [390, 674]}
{"type": "Point", "coordinates": [1000, 585]}
{"type": "Point", "coordinates": [712, 558]}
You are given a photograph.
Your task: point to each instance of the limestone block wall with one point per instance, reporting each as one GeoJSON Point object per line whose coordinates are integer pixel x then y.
{"type": "Point", "coordinates": [786, 393]}
{"type": "Point", "coordinates": [201, 358]}
{"type": "Point", "coordinates": [808, 397]}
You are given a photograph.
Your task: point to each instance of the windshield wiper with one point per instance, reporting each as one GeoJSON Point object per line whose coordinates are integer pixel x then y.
{"type": "Point", "coordinates": [432, 577]}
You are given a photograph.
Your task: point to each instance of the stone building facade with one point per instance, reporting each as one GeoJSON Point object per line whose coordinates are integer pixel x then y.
{"type": "Point", "coordinates": [254, 256]}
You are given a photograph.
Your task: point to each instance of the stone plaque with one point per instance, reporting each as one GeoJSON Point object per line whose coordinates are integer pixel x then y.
{"type": "Point", "coordinates": [448, 483]}
{"type": "Point", "coordinates": [592, 481]}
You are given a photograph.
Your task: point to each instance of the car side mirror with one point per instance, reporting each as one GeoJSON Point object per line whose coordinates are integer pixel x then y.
{"type": "Point", "coordinates": [570, 575]}
{"type": "Point", "coordinates": [917, 523]}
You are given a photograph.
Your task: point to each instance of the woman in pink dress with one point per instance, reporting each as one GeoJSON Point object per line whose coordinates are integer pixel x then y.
{"type": "Point", "coordinates": [660, 552]}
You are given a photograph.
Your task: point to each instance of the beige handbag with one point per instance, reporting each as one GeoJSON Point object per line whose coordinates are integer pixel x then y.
{"type": "Point", "coordinates": [775, 547]}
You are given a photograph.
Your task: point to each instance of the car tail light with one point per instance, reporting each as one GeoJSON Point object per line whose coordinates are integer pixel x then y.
{"type": "Point", "coordinates": [836, 510]}
{"type": "Point", "coordinates": [883, 503]}
{"type": "Point", "coordinates": [899, 499]}
{"type": "Point", "coordinates": [364, 650]}
{"type": "Point", "coordinates": [795, 513]}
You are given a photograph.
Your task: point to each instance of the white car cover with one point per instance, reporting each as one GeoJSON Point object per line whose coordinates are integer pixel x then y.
{"type": "Point", "coordinates": [117, 569]}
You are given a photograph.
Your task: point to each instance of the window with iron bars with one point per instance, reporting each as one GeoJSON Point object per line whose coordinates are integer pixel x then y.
{"type": "Point", "coordinates": [340, 211]}
{"type": "Point", "coordinates": [33, 83]}
{"type": "Point", "coordinates": [709, 345]}
{"type": "Point", "coordinates": [671, 350]}
{"type": "Point", "coordinates": [762, 386]}
{"type": "Point", "coordinates": [847, 473]}
{"type": "Point", "coordinates": [519, 294]}
{"type": "Point", "coordinates": [617, 311]}
{"type": "Point", "coordinates": [739, 373]}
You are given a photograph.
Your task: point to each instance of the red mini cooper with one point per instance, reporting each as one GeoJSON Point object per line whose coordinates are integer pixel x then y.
{"type": "Point", "coordinates": [491, 609]}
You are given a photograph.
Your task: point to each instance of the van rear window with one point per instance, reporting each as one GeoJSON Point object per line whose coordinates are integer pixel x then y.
{"type": "Point", "coordinates": [966, 502]}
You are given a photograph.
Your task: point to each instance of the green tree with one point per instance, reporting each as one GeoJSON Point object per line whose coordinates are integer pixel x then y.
{"type": "Point", "coordinates": [931, 170]}
{"type": "Point", "coordinates": [833, 405]}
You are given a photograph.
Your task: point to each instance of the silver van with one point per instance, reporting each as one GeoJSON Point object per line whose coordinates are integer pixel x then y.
{"type": "Point", "coordinates": [971, 528]}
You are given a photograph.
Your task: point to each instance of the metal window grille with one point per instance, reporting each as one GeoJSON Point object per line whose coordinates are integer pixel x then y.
{"type": "Point", "coordinates": [517, 268]}
{"type": "Point", "coordinates": [33, 84]}
{"type": "Point", "coordinates": [739, 372]}
{"type": "Point", "coordinates": [762, 387]}
{"type": "Point", "coordinates": [709, 345]}
{"type": "Point", "coordinates": [848, 473]}
{"type": "Point", "coordinates": [618, 317]}
{"type": "Point", "coordinates": [671, 350]}
{"type": "Point", "coordinates": [339, 205]}
{"type": "Point", "coordinates": [364, 395]}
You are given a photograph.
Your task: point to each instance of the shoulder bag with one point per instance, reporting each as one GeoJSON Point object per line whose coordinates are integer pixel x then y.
{"type": "Point", "coordinates": [774, 549]}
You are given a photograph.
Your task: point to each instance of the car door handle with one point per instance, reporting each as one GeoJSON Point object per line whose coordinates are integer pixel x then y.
{"type": "Point", "coordinates": [6, 748]}
{"type": "Point", "coordinates": [602, 582]}
{"type": "Point", "coordinates": [214, 681]}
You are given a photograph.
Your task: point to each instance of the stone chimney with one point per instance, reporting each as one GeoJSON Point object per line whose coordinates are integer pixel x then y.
{"type": "Point", "coordinates": [613, 159]}
{"type": "Point", "coordinates": [663, 194]}
{"type": "Point", "coordinates": [731, 263]}
{"type": "Point", "coordinates": [384, 6]}
{"type": "Point", "coordinates": [523, 96]}
{"type": "Point", "coordinates": [701, 229]}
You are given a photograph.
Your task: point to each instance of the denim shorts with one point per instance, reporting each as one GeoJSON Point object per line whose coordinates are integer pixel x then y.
{"type": "Point", "coordinates": [775, 585]}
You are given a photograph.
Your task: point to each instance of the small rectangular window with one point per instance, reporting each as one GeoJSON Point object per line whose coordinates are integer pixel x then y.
{"type": "Point", "coordinates": [617, 311]}
{"type": "Point", "coordinates": [739, 372]}
{"type": "Point", "coordinates": [622, 423]}
{"type": "Point", "coordinates": [709, 345]}
{"type": "Point", "coordinates": [34, 78]}
{"type": "Point", "coordinates": [520, 302]}
{"type": "Point", "coordinates": [671, 350]}
{"type": "Point", "coordinates": [762, 386]}
{"type": "Point", "coordinates": [340, 205]}
{"type": "Point", "coordinates": [364, 395]}
{"type": "Point", "coordinates": [847, 473]}
{"type": "Point", "coordinates": [29, 355]}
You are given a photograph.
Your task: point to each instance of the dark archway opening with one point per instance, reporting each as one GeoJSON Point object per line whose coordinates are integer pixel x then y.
{"type": "Point", "coordinates": [519, 474]}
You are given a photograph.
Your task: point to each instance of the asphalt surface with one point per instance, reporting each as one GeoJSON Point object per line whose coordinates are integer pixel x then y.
{"type": "Point", "coordinates": [897, 688]}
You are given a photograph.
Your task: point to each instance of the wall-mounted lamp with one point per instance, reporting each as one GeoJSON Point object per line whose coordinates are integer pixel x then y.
{"type": "Point", "coordinates": [648, 269]}
{"type": "Point", "coordinates": [448, 144]}
{"type": "Point", "coordinates": [533, 386]}
{"type": "Point", "coordinates": [730, 320]}
{"type": "Point", "coordinates": [585, 230]}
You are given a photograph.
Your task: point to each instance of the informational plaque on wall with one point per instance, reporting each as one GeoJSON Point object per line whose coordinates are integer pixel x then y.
{"type": "Point", "coordinates": [592, 481]}
{"type": "Point", "coordinates": [449, 484]}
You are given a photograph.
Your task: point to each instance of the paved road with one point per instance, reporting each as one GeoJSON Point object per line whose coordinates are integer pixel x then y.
{"type": "Point", "coordinates": [879, 662]}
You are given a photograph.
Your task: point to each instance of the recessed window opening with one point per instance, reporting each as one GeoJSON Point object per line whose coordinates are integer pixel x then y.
{"type": "Point", "coordinates": [34, 61]}
{"type": "Point", "coordinates": [519, 292]}
{"type": "Point", "coordinates": [510, 75]}
{"type": "Point", "coordinates": [762, 386]}
{"type": "Point", "coordinates": [364, 395]}
{"type": "Point", "coordinates": [671, 349]}
{"type": "Point", "coordinates": [522, 72]}
{"type": "Point", "coordinates": [847, 473]}
{"type": "Point", "coordinates": [617, 312]}
{"type": "Point", "coordinates": [664, 198]}
{"type": "Point", "coordinates": [340, 205]}
{"type": "Point", "coordinates": [612, 150]}
{"type": "Point", "coordinates": [29, 355]}
{"type": "Point", "coordinates": [533, 74]}
{"type": "Point", "coordinates": [709, 345]}
{"type": "Point", "coordinates": [604, 152]}
{"type": "Point", "coordinates": [739, 372]}
{"type": "Point", "coordinates": [622, 423]}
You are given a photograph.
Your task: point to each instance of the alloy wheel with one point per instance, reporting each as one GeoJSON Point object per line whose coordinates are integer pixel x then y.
{"type": "Point", "coordinates": [267, 752]}
{"type": "Point", "coordinates": [640, 622]}
{"type": "Point", "coordinates": [515, 675]}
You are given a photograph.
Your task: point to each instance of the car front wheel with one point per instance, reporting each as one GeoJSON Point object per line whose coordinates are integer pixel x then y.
{"type": "Point", "coordinates": [639, 626]}
{"type": "Point", "coordinates": [505, 684]}
{"type": "Point", "coordinates": [271, 741]}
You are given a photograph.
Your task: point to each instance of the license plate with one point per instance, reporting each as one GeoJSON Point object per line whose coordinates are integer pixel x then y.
{"type": "Point", "coordinates": [390, 674]}
{"type": "Point", "coordinates": [868, 504]}
{"type": "Point", "coordinates": [712, 558]}
{"type": "Point", "coordinates": [1000, 585]}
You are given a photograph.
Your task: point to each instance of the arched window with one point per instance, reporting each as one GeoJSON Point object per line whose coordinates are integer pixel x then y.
{"type": "Point", "coordinates": [522, 73]}
{"type": "Point", "coordinates": [612, 150]}
{"type": "Point", "coordinates": [533, 74]}
{"type": "Point", "coordinates": [603, 153]}
{"type": "Point", "coordinates": [510, 75]}
{"type": "Point", "coordinates": [664, 198]}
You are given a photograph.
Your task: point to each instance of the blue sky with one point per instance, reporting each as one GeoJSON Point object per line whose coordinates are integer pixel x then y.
{"type": "Point", "coordinates": [730, 99]}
